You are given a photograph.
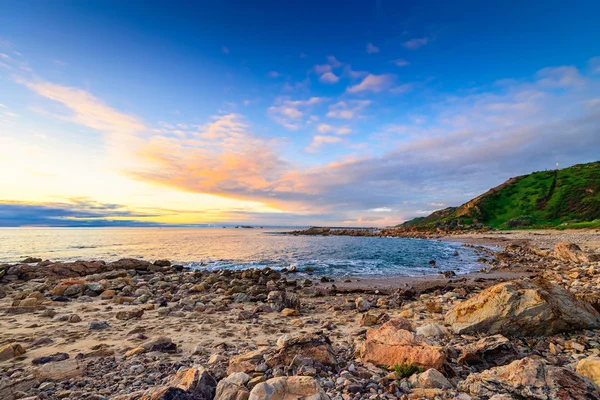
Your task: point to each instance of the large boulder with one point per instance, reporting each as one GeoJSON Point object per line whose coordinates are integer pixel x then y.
{"type": "Point", "coordinates": [566, 251]}
{"type": "Point", "coordinates": [288, 388]}
{"type": "Point", "coordinates": [530, 379]}
{"type": "Point", "coordinates": [521, 308]}
{"type": "Point", "coordinates": [391, 344]}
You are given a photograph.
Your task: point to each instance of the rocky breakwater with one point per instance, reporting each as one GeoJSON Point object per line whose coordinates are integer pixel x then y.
{"type": "Point", "coordinates": [139, 330]}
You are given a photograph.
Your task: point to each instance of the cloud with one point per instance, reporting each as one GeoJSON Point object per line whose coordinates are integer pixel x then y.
{"type": "Point", "coordinates": [290, 113]}
{"type": "Point", "coordinates": [415, 43]}
{"type": "Point", "coordinates": [347, 110]}
{"type": "Point", "coordinates": [323, 68]}
{"type": "Point", "coordinates": [560, 77]}
{"type": "Point", "coordinates": [273, 74]}
{"type": "Point", "coordinates": [348, 71]}
{"type": "Point", "coordinates": [594, 65]}
{"type": "Point", "coordinates": [372, 49]}
{"type": "Point", "coordinates": [86, 109]}
{"type": "Point", "coordinates": [75, 213]}
{"type": "Point", "coordinates": [329, 77]}
{"type": "Point", "coordinates": [326, 128]}
{"type": "Point", "coordinates": [374, 83]}
{"type": "Point", "coordinates": [223, 158]}
{"type": "Point", "coordinates": [320, 140]}
{"type": "Point", "coordinates": [334, 62]}
{"type": "Point", "coordinates": [400, 62]}
{"type": "Point", "coordinates": [225, 50]}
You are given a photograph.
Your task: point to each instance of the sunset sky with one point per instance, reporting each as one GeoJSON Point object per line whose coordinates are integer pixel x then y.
{"type": "Point", "coordinates": [286, 112]}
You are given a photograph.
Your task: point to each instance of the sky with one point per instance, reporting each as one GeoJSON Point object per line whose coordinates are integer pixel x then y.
{"type": "Point", "coordinates": [355, 113]}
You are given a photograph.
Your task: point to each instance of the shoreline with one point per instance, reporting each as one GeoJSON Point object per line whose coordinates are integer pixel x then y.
{"type": "Point", "coordinates": [133, 330]}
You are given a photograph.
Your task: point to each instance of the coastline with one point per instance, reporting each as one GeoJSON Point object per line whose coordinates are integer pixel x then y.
{"type": "Point", "coordinates": [128, 330]}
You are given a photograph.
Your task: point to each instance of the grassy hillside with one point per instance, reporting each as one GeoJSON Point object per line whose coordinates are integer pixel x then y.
{"type": "Point", "coordinates": [568, 197]}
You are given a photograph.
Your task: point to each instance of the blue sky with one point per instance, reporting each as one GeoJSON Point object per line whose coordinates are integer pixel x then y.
{"type": "Point", "coordinates": [303, 112]}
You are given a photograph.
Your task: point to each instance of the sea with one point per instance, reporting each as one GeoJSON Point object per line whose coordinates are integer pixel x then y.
{"type": "Point", "coordinates": [231, 248]}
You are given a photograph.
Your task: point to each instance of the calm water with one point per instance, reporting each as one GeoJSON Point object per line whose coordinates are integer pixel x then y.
{"type": "Point", "coordinates": [239, 248]}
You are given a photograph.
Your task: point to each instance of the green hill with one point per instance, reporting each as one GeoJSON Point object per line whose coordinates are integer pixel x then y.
{"type": "Point", "coordinates": [568, 197]}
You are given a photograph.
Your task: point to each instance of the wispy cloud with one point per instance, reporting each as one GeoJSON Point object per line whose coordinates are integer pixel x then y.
{"type": "Point", "coordinates": [326, 128]}
{"type": "Point", "coordinates": [290, 113]}
{"type": "Point", "coordinates": [329, 77]}
{"type": "Point", "coordinates": [86, 109]}
{"type": "Point", "coordinates": [320, 140]}
{"type": "Point", "coordinates": [400, 62]}
{"type": "Point", "coordinates": [415, 43]}
{"type": "Point", "coordinates": [374, 83]}
{"type": "Point", "coordinates": [372, 49]}
{"type": "Point", "coordinates": [225, 50]}
{"type": "Point", "coordinates": [347, 109]}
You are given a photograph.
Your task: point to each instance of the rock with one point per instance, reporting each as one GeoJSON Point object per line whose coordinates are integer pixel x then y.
{"type": "Point", "coordinates": [530, 379]}
{"type": "Point", "coordinates": [289, 312]}
{"type": "Point", "coordinates": [390, 345]}
{"type": "Point", "coordinates": [60, 370]}
{"type": "Point", "coordinates": [572, 253]}
{"type": "Point", "coordinates": [129, 314]}
{"type": "Point", "coordinates": [31, 260]}
{"type": "Point", "coordinates": [431, 330]}
{"type": "Point", "coordinates": [232, 387]}
{"type": "Point", "coordinates": [52, 358]}
{"type": "Point", "coordinates": [48, 313]}
{"type": "Point", "coordinates": [590, 368]}
{"type": "Point", "coordinates": [430, 379]}
{"type": "Point", "coordinates": [247, 362]}
{"type": "Point", "coordinates": [520, 308]}
{"type": "Point", "coordinates": [133, 352]}
{"type": "Point", "coordinates": [216, 358]}
{"type": "Point", "coordinates": [14, 387]}
{"type": "Point", "coordinates": [11, 350]}
{"type": "Point", "coordinates": [288, 388]}
{"type": "Point", "coordinates": [368, 319]}
{"type": "Point", "coordinates": [98, 325]}
{"type": "Point", "coordinates": [74, 318]}
{"type": "Point", "coordinates": [362, 304]}
{"type": "Point", "coordinates": [29, 302]}
{"type": "Point", "coordinates": [188, 384]}
{"type": "Point", "coordinates": [162, 263]}
{"type": "Point", "coordinates": [491, 351]}
{"type": "Point", "coordinates": [310, 345]}
{"type": "Point", "coordinates": [108, 294]}
{"type": "Point", "coordinates": [162, 344]}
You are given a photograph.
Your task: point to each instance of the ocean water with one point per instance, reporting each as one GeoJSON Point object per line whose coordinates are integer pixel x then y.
{"type": "Point", "coordinates": [217, 248]}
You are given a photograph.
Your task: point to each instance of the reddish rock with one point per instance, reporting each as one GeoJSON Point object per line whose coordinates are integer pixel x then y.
{"type": "Point", "coordinates": [390, 345]}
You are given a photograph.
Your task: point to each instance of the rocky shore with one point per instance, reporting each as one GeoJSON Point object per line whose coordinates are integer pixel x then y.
{"type": "Point", "coordinates": [528, 327]}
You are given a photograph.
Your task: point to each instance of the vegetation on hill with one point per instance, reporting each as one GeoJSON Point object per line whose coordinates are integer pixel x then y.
{"type": "Point", "coordinates": [565, 198]}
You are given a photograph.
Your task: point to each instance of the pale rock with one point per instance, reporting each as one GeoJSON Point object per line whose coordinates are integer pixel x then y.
{"type": "Point", "coordinates": [521, 308]}
{"type": "Point", "coordinates": [531, 379]}
{"type": "Point", "coordinates": [288, 388]}
{"type": "Point", "coordinates": [590, 368]}
{"type": "Point", "coordinates": [430, 379]}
